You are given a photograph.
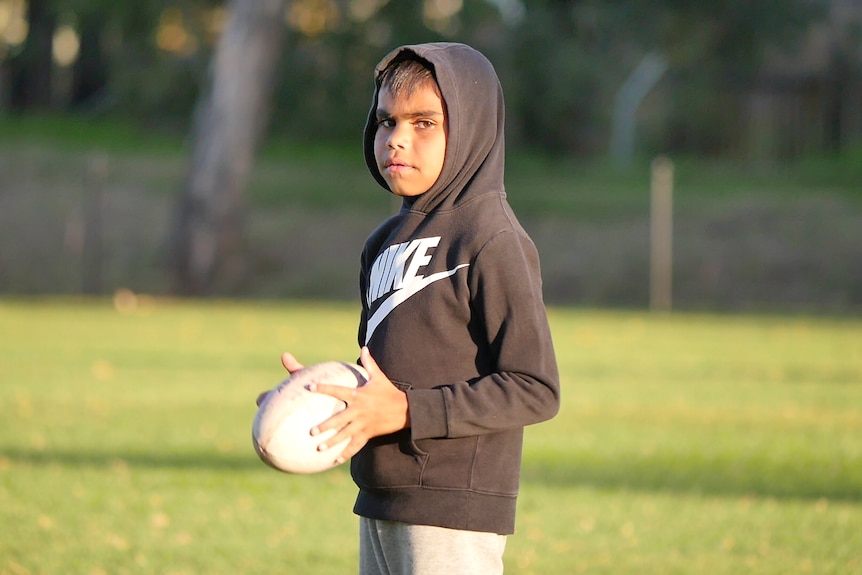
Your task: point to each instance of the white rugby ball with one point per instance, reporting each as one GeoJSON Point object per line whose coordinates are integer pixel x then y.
{"type": "Point", "coordinates": [281, 431]}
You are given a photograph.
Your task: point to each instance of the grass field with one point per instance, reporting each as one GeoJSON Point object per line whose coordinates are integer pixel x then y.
{"type": "Point", "coordinates": [686, 444]}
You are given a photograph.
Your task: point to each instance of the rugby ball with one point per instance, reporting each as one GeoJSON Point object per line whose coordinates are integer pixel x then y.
{"type": "Point", "coordinates": [281, 431]}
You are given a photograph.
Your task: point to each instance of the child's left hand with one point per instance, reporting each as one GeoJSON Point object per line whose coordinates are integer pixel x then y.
{"type": "Point", "coordinates": [373, 409]}
{"type": "Point", "coordinates": [292, 366]}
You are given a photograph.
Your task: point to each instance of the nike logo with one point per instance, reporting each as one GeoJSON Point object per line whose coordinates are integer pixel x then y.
{"type": "Point", "coordinates": [391, 271]}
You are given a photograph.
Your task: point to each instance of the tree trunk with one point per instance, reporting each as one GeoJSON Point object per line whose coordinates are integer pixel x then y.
{"type": "Point", "coordinates": [229, 123]}
{"type": "Point", "coordinates": [34, 65]}
{"type": "Point", "coordinates": [91, 69]}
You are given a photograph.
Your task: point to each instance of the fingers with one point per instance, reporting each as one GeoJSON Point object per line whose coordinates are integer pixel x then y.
{"type": "Point", "coordinates": [352, 448]}
{"type": "Point", "coordinates": [339, 420]}
{"type": "Point", "coordinates": [290, 363]}
{"type": "Point", "coordinates": [373, 409]}
{"type": "Point", "coordinates": [348, 432]}
{"type": "Point", "coordinates": [343, 422]}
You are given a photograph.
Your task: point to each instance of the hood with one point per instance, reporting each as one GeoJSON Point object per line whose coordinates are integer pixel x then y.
{"type": "Point", "coordinates": [475, 149]}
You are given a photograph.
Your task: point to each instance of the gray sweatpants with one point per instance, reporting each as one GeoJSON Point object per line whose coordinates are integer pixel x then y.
{"type": "Point", "coordinates": [392, 548]}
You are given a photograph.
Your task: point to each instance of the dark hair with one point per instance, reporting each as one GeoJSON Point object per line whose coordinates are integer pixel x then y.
{"type": "Point", "coordinates": [405, 76]}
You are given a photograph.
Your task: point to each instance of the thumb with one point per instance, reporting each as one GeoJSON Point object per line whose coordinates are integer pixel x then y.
{"type": "Point", "coordinates": [290, 363]}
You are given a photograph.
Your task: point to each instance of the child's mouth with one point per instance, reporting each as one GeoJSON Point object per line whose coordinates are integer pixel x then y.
{"type": "Point", "coordinates": [397, 167]}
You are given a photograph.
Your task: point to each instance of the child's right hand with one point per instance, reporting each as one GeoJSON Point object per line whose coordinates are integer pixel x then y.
{"type": "Point", "coordinates": [290, 364]}
{"type": "Point", "coordinates": [375, 408]}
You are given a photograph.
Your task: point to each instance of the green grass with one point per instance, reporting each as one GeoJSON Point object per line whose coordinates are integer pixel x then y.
{"type": "Point", "coordinates": [685, 444]}
{"type": "Point", "coordinates": [76, 133]}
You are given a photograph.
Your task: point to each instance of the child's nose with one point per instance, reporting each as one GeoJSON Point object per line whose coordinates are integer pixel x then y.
{"type": "Point", "coordinates": [398, 136]}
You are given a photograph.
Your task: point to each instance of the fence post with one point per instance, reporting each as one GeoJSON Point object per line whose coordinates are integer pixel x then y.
{"type": "Point", "coordinates": [661, 234]}
{"type": "Point", "coordinates": [97, 173]}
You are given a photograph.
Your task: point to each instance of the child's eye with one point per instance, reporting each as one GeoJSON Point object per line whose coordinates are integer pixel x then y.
{"type": "Point", "coordinates": [424, 124]}
{"type": "Point", "coordinates": [386, 122]}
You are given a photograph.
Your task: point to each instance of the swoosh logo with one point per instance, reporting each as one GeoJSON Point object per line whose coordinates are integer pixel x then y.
{"type": "Point", "coordinates": [406, 292]}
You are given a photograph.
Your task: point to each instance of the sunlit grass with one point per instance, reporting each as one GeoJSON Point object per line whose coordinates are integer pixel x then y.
{"type": "Point", "coordinates": [685, 444]}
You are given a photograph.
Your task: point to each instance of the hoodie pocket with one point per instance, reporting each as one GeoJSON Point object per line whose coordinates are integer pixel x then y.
{"type": "Point", "coordinates": [389, 461]}
{"type": "Point", "coordinates": [483, 463]}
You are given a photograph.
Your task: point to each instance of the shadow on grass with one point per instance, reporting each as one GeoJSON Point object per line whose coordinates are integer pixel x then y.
{"type": "Point", "coordinates": [780, 479]}
{"type": "Point", "coordinates": [777, 479]}
{"type": "Point", "coordinates": [203, 460]}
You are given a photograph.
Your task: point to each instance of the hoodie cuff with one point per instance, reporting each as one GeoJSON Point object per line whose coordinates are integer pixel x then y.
{"type": "Point", "coordinates": [427, 413]}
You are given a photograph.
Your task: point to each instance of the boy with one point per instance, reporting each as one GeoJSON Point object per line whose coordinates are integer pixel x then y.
{"type": "Point", "coordinates": [453, 330]}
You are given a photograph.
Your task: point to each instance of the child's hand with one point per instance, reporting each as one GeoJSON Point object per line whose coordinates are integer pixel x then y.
{"type": "Point", "coordinates": [290, 364]}
{"type": "Point", "coordinates": [373, 409]}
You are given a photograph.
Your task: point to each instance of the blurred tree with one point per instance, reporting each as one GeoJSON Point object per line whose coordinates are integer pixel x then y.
{"type": "Point", "coordinates": [32, 67]}
{"type": "Point", "coordinates": [561, 62]}
{"type": "Point", "coordinates": [562, 54]}
{"type": "Point", "coordinates": [328, 63]}
{"type": "Point", "coordinates": [572, 55]}
{"type": "Point", "coordinates": [229, 123]}
{"type": "Point", "coordinates": [90, 71]}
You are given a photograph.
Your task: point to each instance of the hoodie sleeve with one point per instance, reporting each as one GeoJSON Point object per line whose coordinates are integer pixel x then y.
{"type": "Point", "coordinates": [522, 387]}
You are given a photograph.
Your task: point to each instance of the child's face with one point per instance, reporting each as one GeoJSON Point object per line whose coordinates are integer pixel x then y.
{"type": "Point", "coordinates": [410, 144]}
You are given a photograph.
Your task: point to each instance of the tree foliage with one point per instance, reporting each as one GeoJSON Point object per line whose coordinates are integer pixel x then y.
{"type": "Point", "coordinates": [561, 61]}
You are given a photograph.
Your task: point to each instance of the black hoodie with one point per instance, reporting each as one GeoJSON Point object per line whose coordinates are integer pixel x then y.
{"type": "Point", "coordinates": [452, 311]}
